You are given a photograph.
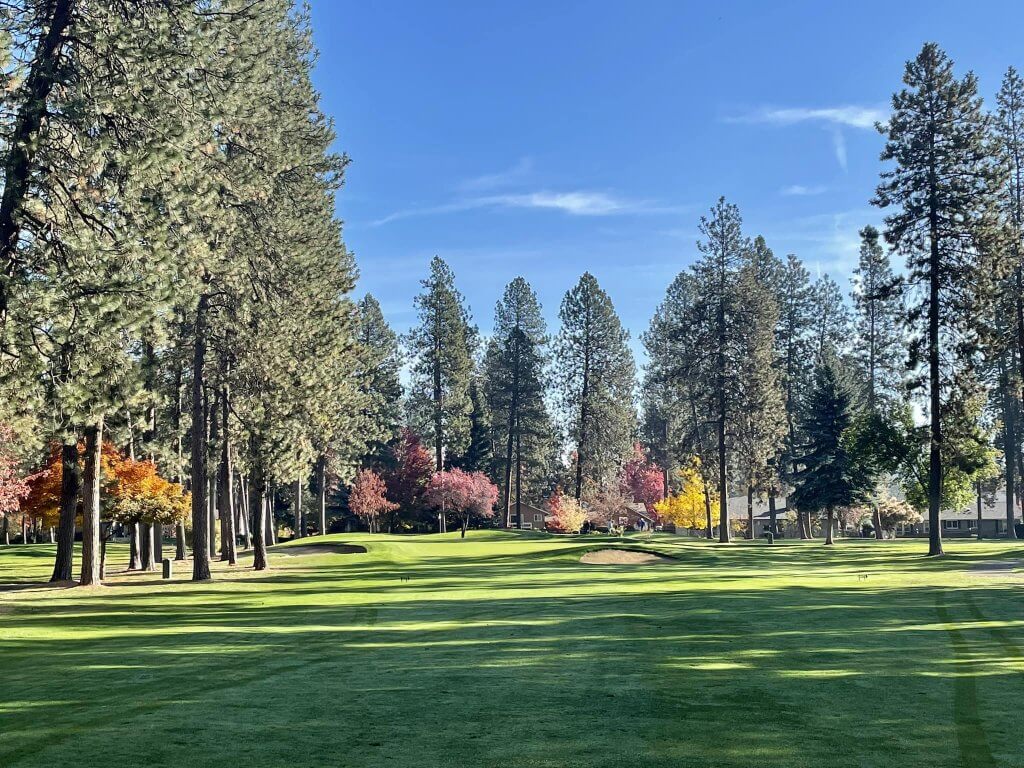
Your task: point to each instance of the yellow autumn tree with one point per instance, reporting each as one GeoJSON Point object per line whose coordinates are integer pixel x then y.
{"type": "Point", "coordinates": [686, 509]}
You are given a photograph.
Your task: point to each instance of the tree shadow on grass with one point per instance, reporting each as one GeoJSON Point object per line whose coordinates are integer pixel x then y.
{"type": "Point", "coordinates": [534, 660]}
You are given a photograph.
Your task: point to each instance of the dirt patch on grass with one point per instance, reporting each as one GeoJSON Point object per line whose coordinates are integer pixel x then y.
{"type": "Point", "coordinates": [320, 549]}
{"type": "Point", "coordinates": [623, 557]}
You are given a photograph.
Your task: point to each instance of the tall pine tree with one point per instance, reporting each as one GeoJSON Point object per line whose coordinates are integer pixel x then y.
{"type": "Point", "coordinates": [442, 349]}
{"type": "Point", "coordinates": [940, 190]}
{"type": "Point", "coordinates": [595, 375]}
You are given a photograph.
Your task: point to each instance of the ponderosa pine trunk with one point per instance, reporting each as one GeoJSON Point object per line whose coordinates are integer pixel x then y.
{"type": "Point", "coordinates": [934, 379]}
{"type": "Point", "coordinates": [158, 543]}
{"type": "Point", "coordinates": [200, 545]}
{"type": "Point", "coordinates": [321, 487]}
{"type": "Point", "coordinates": [710, 530]}
{"type": "Point", "coordinates": [91, 505]}
{"type": "Point", "coordinates": [979, 510]}
{"type": "Point", "coordinates": [245, 512]}
{"type": "Point", "coordinates": [507, 491]}
{"type": "Point", "coordinates": [147, 553]}
{"type": "Point", "coordinates": [70, 489]}
{"type": "Point", "coordinates": [211, 516]}
{"type": "Point", "coordinates": [876, 522]}
{"type": "Point", "coordinates": [297, 501]}
{"type": "Point", "coordinates": [212, 404]}
{"type": "Point", "coordinates": [257, 503]}
{"type": "Point", "coordinates": [519, 483]}
{"type": "Point", "coordinates": [226, 489]}
{"type": "Point", "coordinates": [134, 558]}
{"type": "Point", "coordinates": [106, 533]}
{"type": "Point", "coordinates": [828, 525]}
{"type": "Point", "coordinates": [438, 395]}
{"type": "Point", "coordinates": [1010, 427]}
{"type": "Point", "coordinates": [723, 479]}
{"type": "Point", "coordinates": [180, 548]}
{"type": "Point", "coordinates": [180, 544]}
{"type": "Point", "coordinates": [513, 417]}
{"type": "Point", "coordinates": [773, 515]}
{"type": "Point", "coordinates": [750, 512]}
{"type": "Point", "coordinates": [271, 534]}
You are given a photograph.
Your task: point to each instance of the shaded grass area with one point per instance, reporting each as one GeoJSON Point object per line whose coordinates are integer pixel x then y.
{"type": "Point", "coordinates": [506, 650]}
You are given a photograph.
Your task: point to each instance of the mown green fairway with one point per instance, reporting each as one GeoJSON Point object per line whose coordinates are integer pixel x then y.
{"type": "Point", "coordinates": [504, 650]}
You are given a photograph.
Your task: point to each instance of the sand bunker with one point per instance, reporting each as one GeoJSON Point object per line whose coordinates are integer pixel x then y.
{"type": "Point", "coordinates": [320, 549]}
{"type": "Point", "coordinates": [622, 557]}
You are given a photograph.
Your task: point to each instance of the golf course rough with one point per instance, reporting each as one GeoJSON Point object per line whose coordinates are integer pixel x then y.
{"type": "Point", "coordinates": [503, 650]}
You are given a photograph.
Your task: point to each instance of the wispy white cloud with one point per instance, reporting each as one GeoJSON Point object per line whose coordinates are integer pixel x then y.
{"type": "Point", "coordinates": [850, 116]}
{"type": "Point", "coordinates": [802, 190]}
{"type": "Point", "coordinates": [575, 203]}
{"type": "Point", "coordinates": [517, 173]}
{"type": "Point", "coordinates": [839, 145]}
{"type": "Point", "coordinates": [827, 242]}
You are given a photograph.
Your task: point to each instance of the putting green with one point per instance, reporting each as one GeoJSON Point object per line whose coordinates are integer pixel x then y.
{"type": "Point", "coordinates": [506, 650]}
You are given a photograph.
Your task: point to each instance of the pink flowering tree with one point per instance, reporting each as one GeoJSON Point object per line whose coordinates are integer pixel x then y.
{"type": "Point", "coordinates": [463, 494]}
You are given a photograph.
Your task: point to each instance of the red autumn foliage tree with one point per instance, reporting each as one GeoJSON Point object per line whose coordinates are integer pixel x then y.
{"type": "Point", "coordinates": [368, 498]}
{"type": "Point", "coordinates": [14, 486]}
{"type": "Point", "coordinates": [407, 478]}
{"type": "Point", "coordinates": [463, 493]}
{"type": "Point", "coordinates": [642, 479]}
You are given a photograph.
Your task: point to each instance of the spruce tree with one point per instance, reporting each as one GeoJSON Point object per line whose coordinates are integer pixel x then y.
{"type": "Point", "coordinates": [594, 374]}
{"type": "Point", "coordinates": [830, 477]}
{"type": "Point", "coordinates": [940, 189]}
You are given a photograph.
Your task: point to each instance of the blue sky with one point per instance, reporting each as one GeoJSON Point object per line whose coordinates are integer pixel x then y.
{"type": "Point", "coordinates": [549, 138]}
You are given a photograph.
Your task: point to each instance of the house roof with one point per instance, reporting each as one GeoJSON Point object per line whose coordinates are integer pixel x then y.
{"type": "Point", "coordinates": [993, 511]}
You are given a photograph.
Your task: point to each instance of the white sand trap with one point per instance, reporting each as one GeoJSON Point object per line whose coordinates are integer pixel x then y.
{"type": "Point", "coordinates": [623, 557]}
{"type": "Point", "coordinates": [320, 549]}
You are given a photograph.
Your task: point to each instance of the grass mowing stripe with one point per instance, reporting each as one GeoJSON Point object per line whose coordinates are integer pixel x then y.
{"type": "Point", "coordinates": [970, 733]}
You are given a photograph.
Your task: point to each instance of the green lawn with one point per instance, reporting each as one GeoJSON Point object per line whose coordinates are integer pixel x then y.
{"type": "Point", "coordinates": [505, 650]}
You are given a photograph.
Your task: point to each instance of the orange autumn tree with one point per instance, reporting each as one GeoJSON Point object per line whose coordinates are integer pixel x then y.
{"type": "Point", "coordinates": [136, 493]}
{"type": "Point", "coordinates": [132, 490]}
{"type": "Point", "coordinates": [43, 499]}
